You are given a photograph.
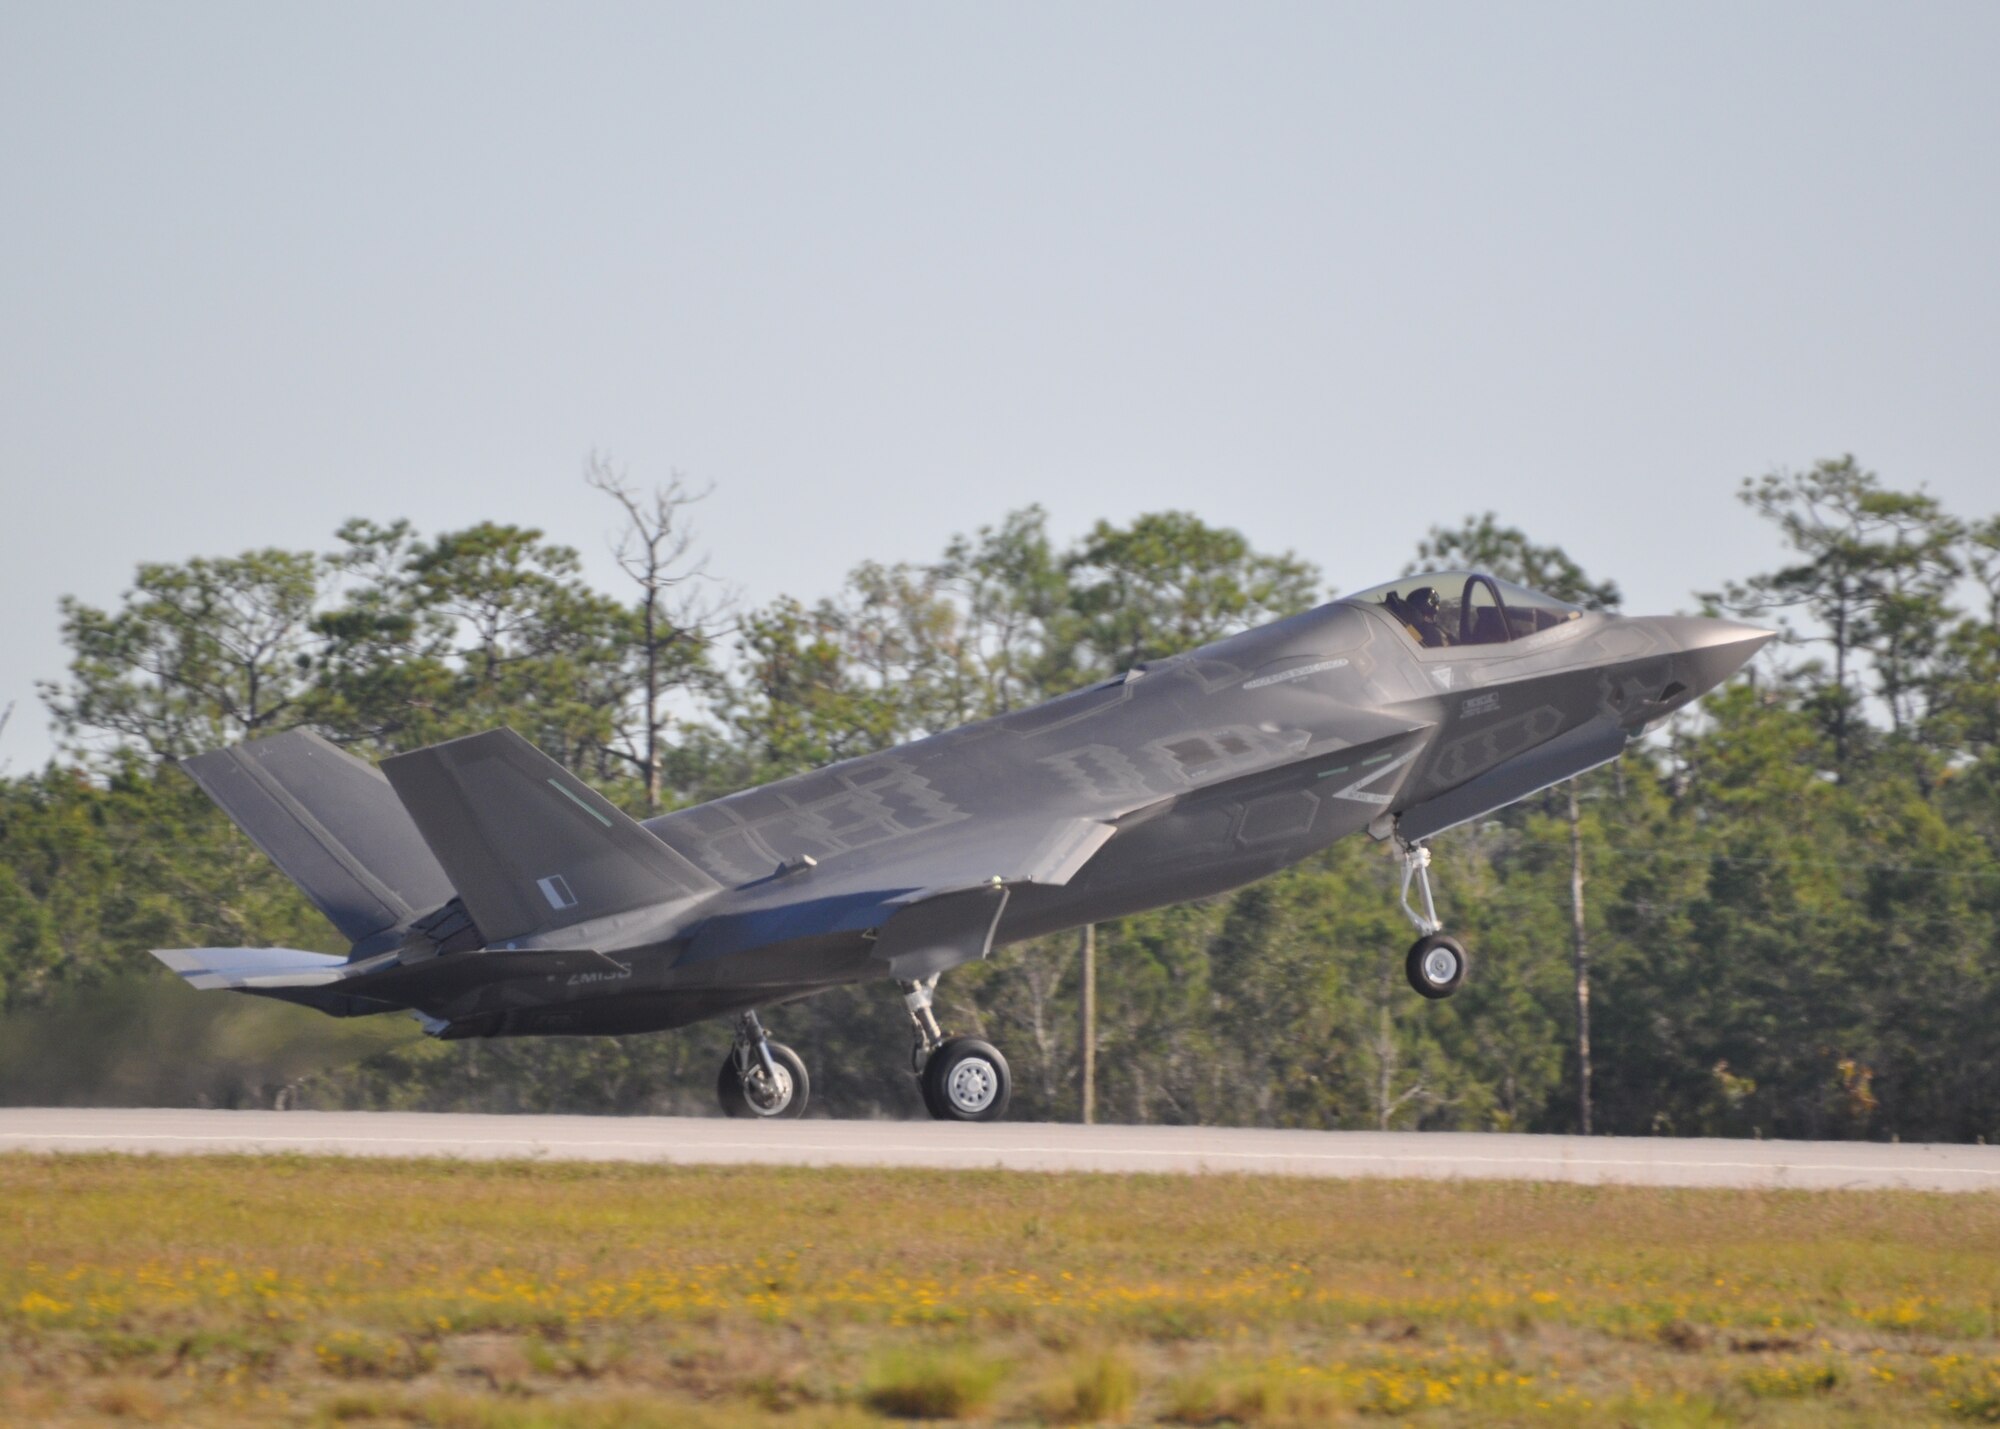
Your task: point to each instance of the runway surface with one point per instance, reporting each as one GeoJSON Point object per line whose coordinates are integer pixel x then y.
{"type": "Point", "coordinates": [1815, 1165]}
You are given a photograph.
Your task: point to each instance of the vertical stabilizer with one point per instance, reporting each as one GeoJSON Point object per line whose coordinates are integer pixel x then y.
{"type": "Point", "coordinates": [529, 846]}
{"type": "Point", "coordinates": [332, 823]}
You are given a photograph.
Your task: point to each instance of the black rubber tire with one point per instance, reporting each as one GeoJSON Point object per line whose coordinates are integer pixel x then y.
{"type": "Point", "coordinates": [1422, 963]}
{"type": "Point", "coordinates": [735, 1098]}
{"type": "Point", "coordinates": [967, 1080]}
{"type": "Point", "coordinates": [930, 1102]}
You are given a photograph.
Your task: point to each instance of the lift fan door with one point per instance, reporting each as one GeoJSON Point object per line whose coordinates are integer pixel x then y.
{"type": "Point", "coordinates": [1578, 751]}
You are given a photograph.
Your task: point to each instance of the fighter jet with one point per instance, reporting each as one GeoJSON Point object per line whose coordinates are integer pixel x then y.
{"type": "Point", "coordinates": [492, 893]}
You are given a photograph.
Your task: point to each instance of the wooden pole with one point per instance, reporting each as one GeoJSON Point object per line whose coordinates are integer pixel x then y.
{"type": "Point", "coordinates": [1087, 1039]}
{"type": "Point", "coordinates": [1581, 949]}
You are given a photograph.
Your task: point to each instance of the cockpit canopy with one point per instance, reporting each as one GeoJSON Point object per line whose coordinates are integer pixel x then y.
{"type": "Point", "coordinates": [1445, 608]}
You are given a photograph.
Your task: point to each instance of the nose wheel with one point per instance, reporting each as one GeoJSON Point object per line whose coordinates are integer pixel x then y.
{"type": "Point", "coordinates": [1436, 963]}
{"type": "Point", "coordinates": [962, 1078]}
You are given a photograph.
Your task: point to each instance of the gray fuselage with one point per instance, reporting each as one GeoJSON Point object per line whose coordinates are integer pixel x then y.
{"type": "Point", "coordinates": [1207, 771]}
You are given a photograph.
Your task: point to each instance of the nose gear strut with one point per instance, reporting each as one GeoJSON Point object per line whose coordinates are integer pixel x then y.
{"type": "Point", "coordinates": [1417, 865]}
{"type": "Point", "coordinates": [1436, 963]}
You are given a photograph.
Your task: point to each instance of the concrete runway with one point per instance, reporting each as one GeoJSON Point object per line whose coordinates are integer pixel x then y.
{"type": "Point", "coordinates": [1018, 1146]}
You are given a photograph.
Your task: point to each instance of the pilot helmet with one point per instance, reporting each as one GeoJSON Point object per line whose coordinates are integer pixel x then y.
{"type": "Point", "coordinates": [1423, 601]}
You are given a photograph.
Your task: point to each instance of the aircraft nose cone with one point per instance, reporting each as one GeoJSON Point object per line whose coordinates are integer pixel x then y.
{"type": "Point", "coordinates": [1709, 651]}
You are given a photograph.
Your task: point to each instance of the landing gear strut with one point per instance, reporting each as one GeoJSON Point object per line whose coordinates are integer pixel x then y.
{"type": "Point", "coordinates": [761, 1078]}
{"type": "Point", "coordinates": [963, 1078]}
{"type": "Point", "coordinates": [1436, 963]}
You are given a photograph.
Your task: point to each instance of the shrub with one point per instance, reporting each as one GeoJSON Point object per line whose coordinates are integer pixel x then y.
{"type": "Point", "coordinates": [356, 1354]}
{"type": "Point", "coordinates": [931, 1384]}
{"type": "Point", "coordinates": [1097, 1388]}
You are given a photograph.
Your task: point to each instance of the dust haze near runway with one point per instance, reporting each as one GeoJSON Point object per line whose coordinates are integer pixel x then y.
{"type": "Point", "coordinates": [1637, 1161]}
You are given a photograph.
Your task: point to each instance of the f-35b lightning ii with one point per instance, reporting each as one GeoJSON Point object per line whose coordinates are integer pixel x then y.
{"type": "Point", "coordinates": [492, 893]}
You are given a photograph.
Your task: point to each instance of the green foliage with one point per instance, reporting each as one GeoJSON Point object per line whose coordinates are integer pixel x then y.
{"type": "Point", "coordinates": [1095, 1388]}
{"type": "Point", "coordinates": [932, 1384]}
{"type": "Point", "coordinates": [801, 704]}
{"type": "Point", "coordinates": [1792, 904]}
{"type": "Point", "coordinates": [1169, 582]}
{"type": "Point", "coordinates": [200, 654]}
{"type": "Point", "coordinates": [1874, 581]}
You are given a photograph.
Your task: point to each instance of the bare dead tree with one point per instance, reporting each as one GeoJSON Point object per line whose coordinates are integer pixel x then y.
{"type": "Point", "coordinates": [680, 606]}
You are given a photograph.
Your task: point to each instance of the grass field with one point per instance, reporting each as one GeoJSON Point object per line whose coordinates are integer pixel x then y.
{"type": "Point", "coordinates": [231, 1290]}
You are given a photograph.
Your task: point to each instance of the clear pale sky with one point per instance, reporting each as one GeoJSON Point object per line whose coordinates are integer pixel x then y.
{"type": "Point", "coordinates": [881, 273]}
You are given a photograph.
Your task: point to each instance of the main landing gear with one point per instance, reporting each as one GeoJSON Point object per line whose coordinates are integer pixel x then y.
{"type": "Point", "coordinates": [1436, 963]}
{"type": "Point", "coordinates": [963, 1078]}
{"type": "Point", "coordinates": [761, 1078]}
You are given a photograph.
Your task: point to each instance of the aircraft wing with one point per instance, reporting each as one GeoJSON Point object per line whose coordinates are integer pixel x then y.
{"type": "Point", "coordinates": [935, 906]}
{"type": "Point", "coordinates": [985, 851]}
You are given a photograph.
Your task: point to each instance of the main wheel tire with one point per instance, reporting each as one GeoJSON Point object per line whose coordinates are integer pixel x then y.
{"type": "Point", "coordinates": [938, 1113]}
{"type": "Point", "coordinates": [967, 1080]}
{"type": "Point", "coordinates": [758, 1099]}
{"type": "Point", "coordinates": [1436, 965]}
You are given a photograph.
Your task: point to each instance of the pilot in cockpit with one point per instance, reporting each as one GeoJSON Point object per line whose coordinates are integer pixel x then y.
{"type": "Point", "coordinates": [1422, 613]}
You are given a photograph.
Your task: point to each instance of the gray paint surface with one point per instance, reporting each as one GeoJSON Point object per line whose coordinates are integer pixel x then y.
{"type": "Point", "coordinates": [1635, 1161]}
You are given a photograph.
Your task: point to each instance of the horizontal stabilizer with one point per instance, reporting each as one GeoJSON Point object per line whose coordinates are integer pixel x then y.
{"type": "Point", "coordinates": [383, 976]}
{"type": "Point", "coordinates": [249, 969]}
{"type": "Point", "coordinates": [332, 823]}
{"type": "Point", "coordinates": [528, 845]}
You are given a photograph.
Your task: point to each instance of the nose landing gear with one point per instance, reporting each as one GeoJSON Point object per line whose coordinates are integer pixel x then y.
{"type": "Point", "coordinates": [761, 1078]}
{"type": "Point", "coordinates": [963, 1078]}
{"type": "Point", "coordinates": [1436, 962]}
{"type": "Point", "coordinates": [1435, 965]}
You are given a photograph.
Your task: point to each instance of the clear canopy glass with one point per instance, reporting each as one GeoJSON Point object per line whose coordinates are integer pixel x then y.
{"type": "Point", "coordinates": [1447, 608]}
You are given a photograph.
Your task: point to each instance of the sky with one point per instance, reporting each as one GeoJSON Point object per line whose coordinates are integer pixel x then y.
{"type": "Point", "coordinates": [879, 274]}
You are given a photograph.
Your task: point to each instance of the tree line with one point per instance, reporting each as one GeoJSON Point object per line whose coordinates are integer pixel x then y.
{"type": "Point", "coordinates": [1779, 915]}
